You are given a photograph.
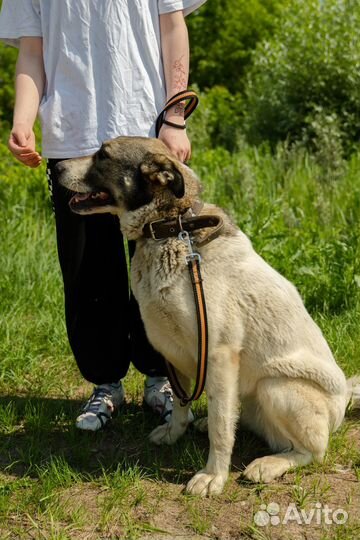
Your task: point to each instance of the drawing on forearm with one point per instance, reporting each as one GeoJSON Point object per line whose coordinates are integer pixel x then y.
{"type": "Point", "coordinates": [179, 109]}
{"type": "Point", "coordinates": [180, 75]}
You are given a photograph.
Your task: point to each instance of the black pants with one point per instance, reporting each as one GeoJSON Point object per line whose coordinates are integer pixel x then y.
{"type": "Point", "coordinates": [103, 321]}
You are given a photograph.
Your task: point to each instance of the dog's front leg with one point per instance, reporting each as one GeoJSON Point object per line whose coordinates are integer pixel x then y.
{"type": "Point", "coordinates": [169, 432]}
{"type": "Point", "coordinates": [222, 393]}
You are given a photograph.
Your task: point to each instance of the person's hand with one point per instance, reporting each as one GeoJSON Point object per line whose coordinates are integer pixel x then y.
{"type": "Point", "coordinates": [177, 141]}
{"type": "Point", "coordinates": [22, 145]}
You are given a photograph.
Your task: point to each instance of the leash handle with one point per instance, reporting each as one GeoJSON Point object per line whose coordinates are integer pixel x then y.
{"type": "Point", "coordinates": [193, 263]}
{"type": "Point", "coordinates": [185, 95]}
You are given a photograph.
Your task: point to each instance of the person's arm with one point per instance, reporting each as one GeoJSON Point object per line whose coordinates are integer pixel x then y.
{"type": "Point", "coordinates": [29, 88]}
{"type": "Point", "coordinates": [175, 53]}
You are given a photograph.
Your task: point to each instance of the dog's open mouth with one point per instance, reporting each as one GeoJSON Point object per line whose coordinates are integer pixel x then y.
{"type": "Point", "coordinates": [85, 201]}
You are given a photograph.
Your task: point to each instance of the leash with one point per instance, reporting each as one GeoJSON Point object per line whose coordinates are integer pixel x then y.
{"type": "Point", "coordinates": [193, 260]}
{"type": "Point", "coordinates": [185, 95]}
{"type": "Point", "coordinates": [181, 228]}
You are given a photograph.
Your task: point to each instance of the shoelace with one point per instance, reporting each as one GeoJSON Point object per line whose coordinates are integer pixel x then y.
{"type": "Point", "coordinates": [157, 404]}
{"type": "Point", "coordinates": [95, 400]}
{"type": "Point", "coordinates": [168, 392]}
{"type": "Point", "coordinates": [165, 389]}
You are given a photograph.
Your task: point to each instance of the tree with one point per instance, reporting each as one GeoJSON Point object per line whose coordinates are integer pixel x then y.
{"type": "Point", "coordinates": [305, 80]}
{"type": "Point", "coordinates": [223, 35]}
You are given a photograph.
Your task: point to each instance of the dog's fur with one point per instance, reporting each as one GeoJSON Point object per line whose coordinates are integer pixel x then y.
{"type": "Point", "coordinates": [265, 351]}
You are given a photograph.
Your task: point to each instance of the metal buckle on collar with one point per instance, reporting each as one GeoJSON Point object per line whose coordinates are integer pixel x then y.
{"type": "Point", "coordinates": [152, 232]}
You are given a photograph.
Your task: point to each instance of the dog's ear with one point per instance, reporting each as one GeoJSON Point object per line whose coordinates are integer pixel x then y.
{"type": "Point", "coordinates": [159, 168]}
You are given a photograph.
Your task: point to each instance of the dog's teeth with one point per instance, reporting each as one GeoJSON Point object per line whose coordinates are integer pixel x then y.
{"type": "Point", "coordinates": [81, 197]}
{"type": "Point", "coordinates": [99, 195]}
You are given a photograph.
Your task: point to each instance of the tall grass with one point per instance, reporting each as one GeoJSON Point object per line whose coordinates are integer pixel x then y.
{"type": "Point", "coordinates": [32, 332]}
{"type": "Point", "coordinates": [301, 220]}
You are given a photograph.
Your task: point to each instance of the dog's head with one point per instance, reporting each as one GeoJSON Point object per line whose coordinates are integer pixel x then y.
{"type": "Point", "coordinates": [126, 174]}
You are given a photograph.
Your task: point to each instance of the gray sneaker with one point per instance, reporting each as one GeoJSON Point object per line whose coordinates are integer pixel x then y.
{"type": "Point", "coordinates": [98, 410]}
{"type": "Point", "coordinates": [158, 395]}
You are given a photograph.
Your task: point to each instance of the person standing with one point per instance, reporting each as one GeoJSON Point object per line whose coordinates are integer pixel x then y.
{"type": "Point", "coordinates": [93, 70]}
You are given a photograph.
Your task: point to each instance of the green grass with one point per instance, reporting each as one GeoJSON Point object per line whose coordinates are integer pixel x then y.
{"type": "Point", "coordinates": [59, 483]}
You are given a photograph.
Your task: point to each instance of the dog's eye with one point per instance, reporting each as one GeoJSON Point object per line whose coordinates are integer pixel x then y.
{"type": "Point", "coordinates": [102, 153]}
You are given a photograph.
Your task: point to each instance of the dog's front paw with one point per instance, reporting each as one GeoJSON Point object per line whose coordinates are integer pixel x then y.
{"type": "Point", "coordinates": [265, 469]}
{"type": "Point", "coordinates": [204, 484]}
{"type": "Point", "coordinates": [165, 434]}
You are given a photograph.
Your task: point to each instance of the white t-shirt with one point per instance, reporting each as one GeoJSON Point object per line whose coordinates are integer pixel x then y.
{"type": "Point", "coordinates": [103, 67]}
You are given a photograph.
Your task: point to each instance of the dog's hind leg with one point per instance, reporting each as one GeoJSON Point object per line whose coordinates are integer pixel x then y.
{"type": "Point", "coordinates": [295, 417]}
{"type": "Point", "coordinates": [222, 393]}
{"type": "Point", "coordinates": [169, 432]}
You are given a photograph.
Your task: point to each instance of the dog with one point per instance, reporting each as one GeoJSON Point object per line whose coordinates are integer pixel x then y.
{"type": "Point", "coordinates": [265, 352]}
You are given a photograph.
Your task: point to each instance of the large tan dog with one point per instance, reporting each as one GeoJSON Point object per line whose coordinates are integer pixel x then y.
{"type": "Point", "coordinates": [265, 351]}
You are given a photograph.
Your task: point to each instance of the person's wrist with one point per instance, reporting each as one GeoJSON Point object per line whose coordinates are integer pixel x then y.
{"type": "Point", "coordinates": [173, 120]}
{"type": "Point", "coordinates": [25, 127]}
{"type": "Point", "coordinates": [173, 126]}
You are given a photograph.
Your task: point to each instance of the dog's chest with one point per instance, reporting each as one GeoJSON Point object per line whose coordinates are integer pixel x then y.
{"type": "Point", "coordinates": [159, 277]}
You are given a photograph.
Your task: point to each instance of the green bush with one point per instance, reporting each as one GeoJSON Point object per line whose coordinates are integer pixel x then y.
{"type": "Point", "coordinates": [218, 120]}
{"type": "Point", "coordinates": [8, 57]}
{"type": "Point", "coordinates": [307, 76]}
{"type": "Point", "coordinates": [223, 34]}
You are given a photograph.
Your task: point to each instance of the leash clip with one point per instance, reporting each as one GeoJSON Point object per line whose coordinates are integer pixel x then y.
{"type": "Point", "coordinates": [192, 255]}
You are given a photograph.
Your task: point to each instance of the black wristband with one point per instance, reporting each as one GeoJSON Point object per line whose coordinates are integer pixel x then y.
{"type": "Point", "coordinates": [172, 124]}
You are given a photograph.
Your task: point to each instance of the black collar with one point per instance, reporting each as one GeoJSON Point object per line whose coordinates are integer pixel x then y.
{"type": "Point", "coordinates": [167, 228]}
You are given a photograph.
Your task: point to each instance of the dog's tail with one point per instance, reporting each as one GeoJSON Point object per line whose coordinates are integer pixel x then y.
{"type": "Point", "coordinates": [353, 389]}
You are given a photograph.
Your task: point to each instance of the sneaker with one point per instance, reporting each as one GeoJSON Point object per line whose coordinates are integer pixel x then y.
{"type": "Point", "coordinates": [98, 410]}
{"type": "Point", "coordinates": [159, 396]}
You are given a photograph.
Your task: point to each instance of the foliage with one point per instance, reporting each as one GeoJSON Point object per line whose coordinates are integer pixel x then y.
{"type": "Point", "coordinates": [8, 57]}
{"type": "Point", "coordinates": [217, 121]}
{"type": "Point", "coordinates": [223, 34]}
{"type": "Point", "coordinates": [307, 75]}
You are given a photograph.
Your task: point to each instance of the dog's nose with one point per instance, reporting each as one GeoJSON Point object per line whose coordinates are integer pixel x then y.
{"type": "Point", "coordinates": [60, 166]}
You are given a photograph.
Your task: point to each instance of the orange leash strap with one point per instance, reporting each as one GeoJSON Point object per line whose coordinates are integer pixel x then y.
{"type": "Point", "coordinates": [193, 263]}
{"type": "Point", "coordinates": [186, 95]}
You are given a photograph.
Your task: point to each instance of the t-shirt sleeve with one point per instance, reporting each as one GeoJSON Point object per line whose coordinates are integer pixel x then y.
{"type": "Point", "coordinates": [187, 6]}
{"type": "Point", "coordinates": [19, 18]}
